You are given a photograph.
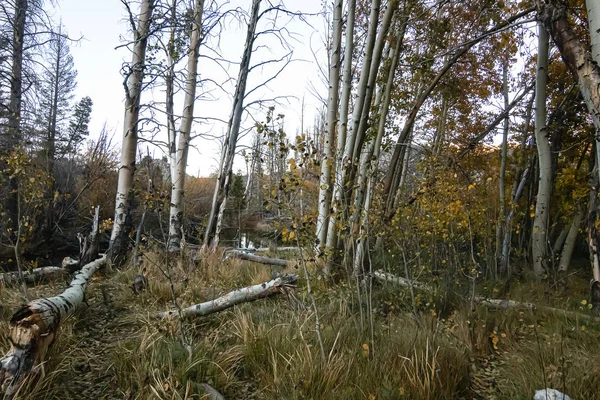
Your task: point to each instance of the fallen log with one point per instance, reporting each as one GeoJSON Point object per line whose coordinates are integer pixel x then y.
{"type": "Point", "coordinates": [239, 296]}
{"type": "Point", "coordinates": [34, 326]}
{"type": "Point", "coordinates": [36, 275]}
{"type": "Point", "coordinates": [484, 301]}
{"type": "Point", "coordinates": [242, 255]}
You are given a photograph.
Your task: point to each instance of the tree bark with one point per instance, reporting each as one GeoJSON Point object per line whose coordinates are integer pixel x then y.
{"type": "Point", "coordinates": [34, 327]}
{"type": "Point", "coordinates": [236, 297]}
{"type": "Point", "coordinates": [219, 201]}
{"type": "Point", "coordinates": [567, 251]}
{"type": "Point", "coordinates": [506, 243]}
{"type": "Point", "coordinates": [332, 229]}
{"type": "Point", "coordinates": [133, 89]}
{"type": "Point", "coordinates": [243, 255]}
{"type": "Point", "coordinates": [503, 156]}
{"type": "Point", "coordinates": [582, 64]}
{"type": "Point", "coordinates": [542, 206]}
{"type": "Point", "coordinates": [325, 186]}
{"type": "Point", "coordinates": [178, 183]}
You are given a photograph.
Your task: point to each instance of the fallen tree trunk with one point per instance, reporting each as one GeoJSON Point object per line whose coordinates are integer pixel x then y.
{"type": "Point", "coordinates": [239, 296]}
{"type": "Point", "coordinates": [34, 276]}
{"type": "Point", "coordinates": [34, 326]}
{"type": "Point", "coordinates": [484, 301]}
{"type": "Point", "coordinates": [242, 255]}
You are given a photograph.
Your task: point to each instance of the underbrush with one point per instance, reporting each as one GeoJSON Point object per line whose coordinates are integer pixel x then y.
{"type": "Point", "coordinates": [429, 347]}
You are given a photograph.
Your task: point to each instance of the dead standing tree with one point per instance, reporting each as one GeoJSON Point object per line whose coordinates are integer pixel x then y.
{"type": "Point", "coordinates": [230, 141]}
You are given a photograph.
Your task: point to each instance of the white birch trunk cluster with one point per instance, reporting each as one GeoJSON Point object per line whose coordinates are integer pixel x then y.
{"type": "Point", "coordinates": [185, 130]}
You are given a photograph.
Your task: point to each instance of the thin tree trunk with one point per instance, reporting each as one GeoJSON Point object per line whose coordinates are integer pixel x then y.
{"type": "Point", "coordinates": [505, 259]}
{"type": "Point", "coordinates": [325, 186]}
{"type": "Point", "coordinates": [178, 185]}
{"type": "Point", "coordinates": [542, 206]}
{"type": "Point", "coordinates": [332, 229]}
{"type": "Point", "coordinates": [213, 229]}
{"type": "Point", "coordinates": [503, 156]}
{"type": "Point", "coordinates": [133, 90]}
{"type": "Point", "coordinates": [15, 104]}
{"type": "Point", "coordinates": [372, 154]}
{"type": "Point", "coordinates": [34, 327]}
{"type": "Point", "coordinates": [567, 251]}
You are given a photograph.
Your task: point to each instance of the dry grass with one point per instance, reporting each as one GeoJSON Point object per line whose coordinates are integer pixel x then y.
{"type": "Point", "coordinates": [116, 348]}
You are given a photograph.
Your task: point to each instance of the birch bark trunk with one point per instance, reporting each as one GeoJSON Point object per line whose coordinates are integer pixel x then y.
{"type": "Point", "coordinates": [567, 251]}
{"type": "Point", "coordinates": [542, 207]}
{"type": "Point", "coordinates": [178, 184]}
{"type": "Point", "coordinates": [133, 91]}
{"type": "Point", "coordinates": [332, 229]}
{"type": "Point", "coordinates": [34, 327]}
{"type": "Point", "coordinates": [341, 200]}
{"type": "Point", "coordinates": [213, 229]}
{"type": "Point", "coordinates": [236, 297]}
{"type": "Point", "coordinates": [325, 186]}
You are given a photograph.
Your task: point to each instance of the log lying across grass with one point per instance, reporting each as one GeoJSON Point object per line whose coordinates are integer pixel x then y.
{"type": "Point", "coordinates": [34, 326]}
{"type": "Point", "coordinates": [236, 297]}
{"type": "Point", "coordinates": [34, 276]}
{"type": "Point", "coordinates": [484, 301]}
{"type": "Point", "coordinates": [243, 255]}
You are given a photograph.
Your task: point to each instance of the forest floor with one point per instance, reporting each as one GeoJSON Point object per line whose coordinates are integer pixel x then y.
{"type": "Point", "coordinates": [115, 347]}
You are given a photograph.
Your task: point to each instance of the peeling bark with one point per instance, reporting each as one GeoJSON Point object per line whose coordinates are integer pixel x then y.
{"type": "Point", "coordinates": [33, 328]}
{"type": "Point", "coordinates": [235, 297]}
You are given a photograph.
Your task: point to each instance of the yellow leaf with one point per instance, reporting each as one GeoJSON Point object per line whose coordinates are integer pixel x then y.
{"type": "Point", "coordinates": [292, 235]}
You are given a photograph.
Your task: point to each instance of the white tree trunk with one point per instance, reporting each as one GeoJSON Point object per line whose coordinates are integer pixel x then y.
{"type": "Point", "coordinates": [542, 206]}
{"type": "Point", "coordinates": [343, 167]}
{"type": "Point", "coordinates": [178, 184]}
{"type": "Point", "coordinates": [213, 229]}
{"type": "Point", "coordinates": [133, 91]}
{"type": "Point", "coordinates": [373, 152]}
{"type": "Point", "coordinates": [34, 326]}
{"type": "Point", "coordinates": [503, 156]}
{"type": "Point", "coordinates": [325, 186]}
{"type": "Point", "coordinates": [593, 14]}
{"type": "Point", "coordinates": [331, 242]}
{"type": "Point", "coordinates": [567, 251]}
{"type": "Point", "coordinates": [236, 297]}
{"type": "Point", "coordinates": [243, 255]}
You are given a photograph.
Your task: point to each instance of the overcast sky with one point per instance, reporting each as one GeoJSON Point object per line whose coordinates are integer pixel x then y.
{"type": "Point", "coordinates": [103, 27]}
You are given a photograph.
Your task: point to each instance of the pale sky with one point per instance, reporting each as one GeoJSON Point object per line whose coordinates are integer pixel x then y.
{"type": "Point", "coordinates": [102, 26]}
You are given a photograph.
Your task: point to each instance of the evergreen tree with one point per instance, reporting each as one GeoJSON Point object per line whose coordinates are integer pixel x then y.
{"type": "Point", "coordinates": [78, 130]}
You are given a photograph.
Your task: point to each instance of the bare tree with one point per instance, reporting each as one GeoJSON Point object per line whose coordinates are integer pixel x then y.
{"type": "Point", "coordinates": [134, 76]}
